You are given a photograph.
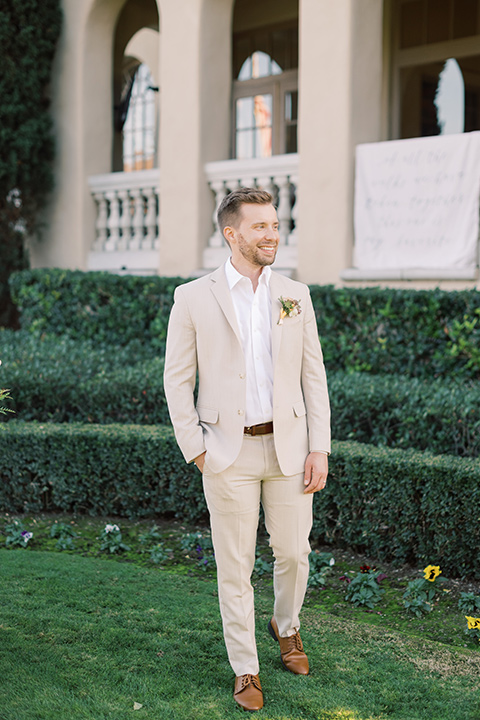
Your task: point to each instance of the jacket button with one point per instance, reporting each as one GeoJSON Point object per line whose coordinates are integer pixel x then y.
{"type": "Point", "coordinates": [240, 412]}
{"type": "Point", "coordinates": [242, 376]}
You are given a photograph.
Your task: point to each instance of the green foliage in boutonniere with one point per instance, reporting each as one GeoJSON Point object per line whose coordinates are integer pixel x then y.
{"type": "Point", "coordinates": [290, 308]}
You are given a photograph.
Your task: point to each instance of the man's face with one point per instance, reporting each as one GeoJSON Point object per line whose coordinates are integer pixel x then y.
{"type": "Point", "coordinates": [255, 239]}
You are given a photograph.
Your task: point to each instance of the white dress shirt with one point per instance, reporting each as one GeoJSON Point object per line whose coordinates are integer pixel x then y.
{"type": "Point", "coordinates": [254, 317]}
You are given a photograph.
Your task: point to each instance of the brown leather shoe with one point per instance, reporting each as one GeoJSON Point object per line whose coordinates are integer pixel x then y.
{"type": "Point", "coordinates": [248, 692]}
{"type": "Point", "coordinates": [291, 650]}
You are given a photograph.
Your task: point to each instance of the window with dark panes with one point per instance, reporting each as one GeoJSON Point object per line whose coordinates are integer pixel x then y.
{"type": "Point", "coordinates": [265, 91]}
{"type": "Point", "coordinates": [436, 71]}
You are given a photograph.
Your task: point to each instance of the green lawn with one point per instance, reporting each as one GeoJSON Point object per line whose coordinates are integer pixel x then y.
{"type": "Point", "coordinates": [86, 637]}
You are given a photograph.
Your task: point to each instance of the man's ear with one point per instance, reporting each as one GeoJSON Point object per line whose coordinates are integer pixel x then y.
{"type": "Point", "coordinates": [229, 235]}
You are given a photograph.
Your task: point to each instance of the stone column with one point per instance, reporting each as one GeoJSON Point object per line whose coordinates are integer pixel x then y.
{"type": "Point", "coordinates": [340, 93]}
{"type": "Point", "coordinates": [82, 112]}
{"type": "Point", "coordinates": [194, 124]}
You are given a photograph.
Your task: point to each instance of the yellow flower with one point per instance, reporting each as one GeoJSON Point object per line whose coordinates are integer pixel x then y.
{"type": "Point", "coordinates": [472, 623]}
{"type": "Point", "coordinates": [431, 572]}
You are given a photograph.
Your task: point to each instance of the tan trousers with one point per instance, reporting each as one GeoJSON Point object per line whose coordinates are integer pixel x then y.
{"type": "Point", "coordinates": [233, 498]}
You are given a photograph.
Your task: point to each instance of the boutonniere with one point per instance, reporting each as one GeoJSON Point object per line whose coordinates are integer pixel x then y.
{"type": "Point", "coordinates": [290, 308]}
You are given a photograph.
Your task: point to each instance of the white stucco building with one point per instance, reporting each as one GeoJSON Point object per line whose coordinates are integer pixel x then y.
{"type": "Point", "coordinates": [163, 106]}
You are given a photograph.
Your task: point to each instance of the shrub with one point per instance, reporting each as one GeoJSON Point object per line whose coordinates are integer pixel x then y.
{"type": "Point", "coordinates": [396, 505]}
{"type": "Point", "coordinates": [402, 506]}
{"type": "Point", "coordinates": [59, 379]}
{"type": "Point", "coordinates": [98, 306]}
{"type": "Point", "coordinates": [63, 380]}
{"type": "Point", "coordinates": [29, 30]}
{"type": "Point", "coordinates": [124, 470]}
{"type": "Point", "coordinates": [442, 416]}
{"type": "Point", "coordinates": [420, 333]}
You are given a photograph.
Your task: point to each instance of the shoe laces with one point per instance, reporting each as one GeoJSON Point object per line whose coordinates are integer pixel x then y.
{"type": "Point", "coordinates": [250, 680]}
{"type": "Point", "coordinates": [294, 642]}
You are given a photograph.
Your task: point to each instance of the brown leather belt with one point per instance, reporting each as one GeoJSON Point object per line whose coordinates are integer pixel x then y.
{"type": "Point", "coordinates": [262, 429]}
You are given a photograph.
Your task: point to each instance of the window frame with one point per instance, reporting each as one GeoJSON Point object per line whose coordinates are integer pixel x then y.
{"type": "Point", "coordinates": [276, 86]}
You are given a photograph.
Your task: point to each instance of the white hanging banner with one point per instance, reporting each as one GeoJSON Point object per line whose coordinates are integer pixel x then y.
{"type": "Point", "coordinates": [417, 203]}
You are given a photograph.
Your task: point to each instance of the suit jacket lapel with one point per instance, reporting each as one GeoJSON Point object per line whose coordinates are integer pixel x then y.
{"type": "Point", "coordinates": [223, 296]}
{"type": "Point", "coordinates": [275, 292]}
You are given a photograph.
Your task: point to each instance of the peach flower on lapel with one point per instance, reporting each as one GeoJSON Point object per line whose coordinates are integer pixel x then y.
{"type": "Point", "coordinates": [290, 308]}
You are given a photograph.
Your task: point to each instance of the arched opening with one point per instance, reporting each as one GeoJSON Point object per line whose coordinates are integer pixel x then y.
{"type": "Point", "coordinates": [136, 87]}
{"type": "Point", "coordinates": [265, 78]}
{"type": "Point", "coordinates": [450, 99]}
{"type": "Point", "coordinates": [136, 116]}
{"type": "Point", "coordinates": [122, 44]}
{"type": "Point", "coordinates": [441, 96]}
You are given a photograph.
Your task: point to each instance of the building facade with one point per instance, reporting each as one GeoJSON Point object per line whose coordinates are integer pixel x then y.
{"type": "Point", "coordinates": [161, 107]}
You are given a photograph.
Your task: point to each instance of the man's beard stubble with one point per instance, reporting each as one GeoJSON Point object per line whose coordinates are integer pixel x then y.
{"type": "Point", "coordinates": [253, 255]}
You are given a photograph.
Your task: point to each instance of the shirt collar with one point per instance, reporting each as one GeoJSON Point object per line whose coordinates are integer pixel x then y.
{"type": "Point", "coordinates": [234, 277]}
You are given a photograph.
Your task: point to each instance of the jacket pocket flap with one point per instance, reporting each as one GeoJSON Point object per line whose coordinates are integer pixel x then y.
{"type": "Point", "coordinates": [299, 408]}
{"type": "Point", "coordinates": [208, 415]}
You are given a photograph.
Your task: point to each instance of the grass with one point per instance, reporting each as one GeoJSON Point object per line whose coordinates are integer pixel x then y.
{"type": "Point", "coordinates": [85, 635]}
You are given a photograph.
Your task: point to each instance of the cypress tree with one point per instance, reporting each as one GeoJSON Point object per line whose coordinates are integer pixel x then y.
{"type": "Point", "coordinates": [29, 31]}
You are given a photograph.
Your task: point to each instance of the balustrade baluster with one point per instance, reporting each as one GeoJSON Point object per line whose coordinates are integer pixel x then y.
{"type": "Point", "coordinates": [125, 220]}
{"type": "Point", "coordinates": [216, 240]}
{"type": "Point", "coordinates": [101, 223]}
{"type": "Point", "coordinates": [265, 183]}
{"type": "Point", "coordinates": [283, 210]}
{"type": "Point", "coordinates": [113, 222]}
{"type": "Point", "coordinates": [156, 243]}
{"type": "Point", "coordinates": [138, 220]}
{"type": "Point", "coordinates": [232, 185]}
{"type": "Point", "coordinates": [150, 218]}
{"type": "Point", "coordinates": [293, 237]}
{"type": "Point", "coordinates": [246, 182]}
{"type": "Point", "coordinates": [271, 174]}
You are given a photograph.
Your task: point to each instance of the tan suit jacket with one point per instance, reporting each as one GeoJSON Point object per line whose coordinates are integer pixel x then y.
{"type": "Point", "coordinates": [203, 337]}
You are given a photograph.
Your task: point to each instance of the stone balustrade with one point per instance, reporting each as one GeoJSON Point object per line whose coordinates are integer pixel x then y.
{"type": "Point", "coordinates": [277, 174]}
{"type": "Point", "coordinates": [128, 224]}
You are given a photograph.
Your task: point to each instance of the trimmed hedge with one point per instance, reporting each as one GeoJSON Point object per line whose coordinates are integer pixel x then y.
{"type": "Point", "coordinates": [125, 470]}
{"type": "Point", "coordinates": [403, 506]}
{"type": "Point", "coordinates": [422, 333]}
{"type": "Point", "coordinates": [396, 505]}
{"type": "Point", "coordinates": [101, 306]}
{"type": "Point", "coordinates": [63, 380]}
{"type": "Point", "coordinates": [441, 416]}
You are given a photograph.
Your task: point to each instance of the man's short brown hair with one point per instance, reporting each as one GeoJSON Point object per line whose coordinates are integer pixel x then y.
{"type": "Point", "coordinates": [229, 211]}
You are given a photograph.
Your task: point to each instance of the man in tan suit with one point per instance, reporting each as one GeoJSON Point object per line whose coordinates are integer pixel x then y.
{"type": "Point", "coordinates": [259, 430]}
